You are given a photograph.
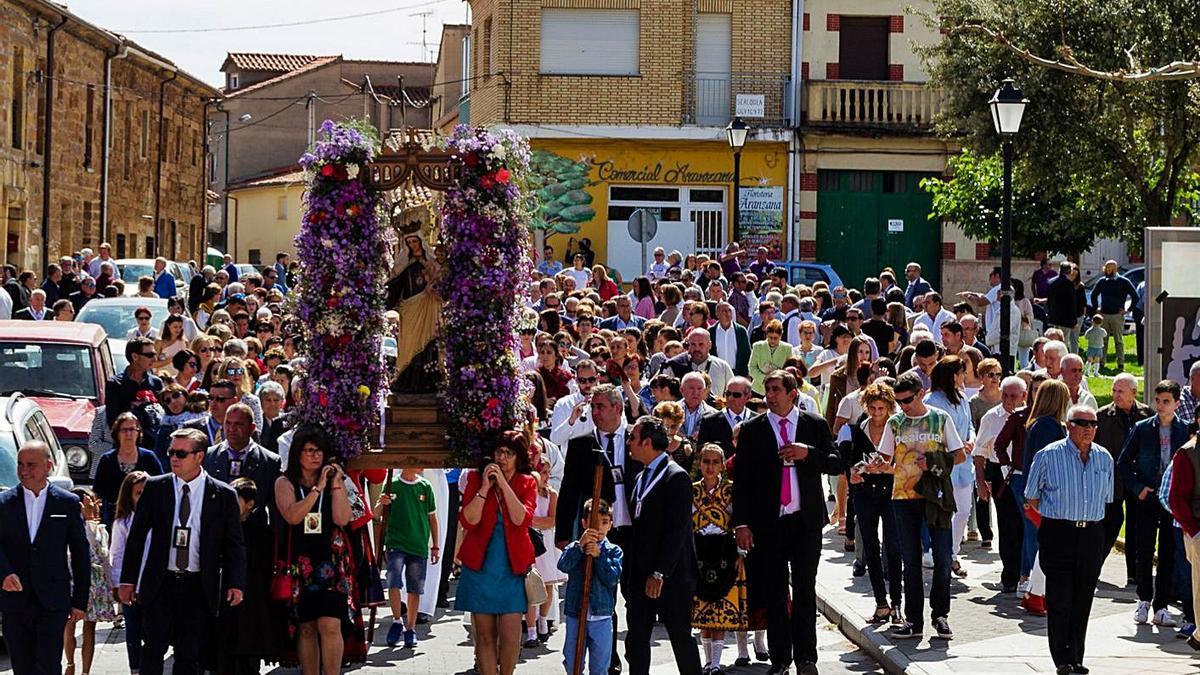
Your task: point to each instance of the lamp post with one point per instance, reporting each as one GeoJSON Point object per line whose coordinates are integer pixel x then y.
{"type": "Point", "coordinates": [737, 132]}
{"type": "Point", "coordinates": [1007, 106]}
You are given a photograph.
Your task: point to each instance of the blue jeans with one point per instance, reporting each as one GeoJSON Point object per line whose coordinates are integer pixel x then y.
{"type": "Point", "coordinates": [873, 504]}
{"type": "Point", "coordinates": [1029, 545]}
{"type": "Point", "coordinates": [133, 634]}
{"type": "Point", "coordinates": [910, 516]}
{"type": "Point", "coordinates": [598, 645]}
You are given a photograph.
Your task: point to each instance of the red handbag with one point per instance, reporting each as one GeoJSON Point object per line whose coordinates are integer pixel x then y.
{"type": "Point", "coordinates": [282, 581]}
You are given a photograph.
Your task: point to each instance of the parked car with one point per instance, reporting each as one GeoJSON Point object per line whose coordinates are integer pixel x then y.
{"type": "Point", "coordinates": [132, 269]}
{"type": "Point", "coordinates": [22, 420]}
{"type": "Point", "coordinates": [115, 315]}
{"type": "Point", "coordinates": [246, 268]}
{"type": "Point", "coordinates": [62, 366]}
{"type": "Point", "coordinates": [808, 273]}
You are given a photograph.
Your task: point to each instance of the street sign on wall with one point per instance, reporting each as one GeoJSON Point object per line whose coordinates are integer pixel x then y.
{"type": "Point", "coordinates": [751, 105]}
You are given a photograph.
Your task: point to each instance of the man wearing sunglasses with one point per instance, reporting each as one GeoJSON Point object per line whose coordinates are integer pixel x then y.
{"type": "Point", "coordinates": [570, 418]}
{"type": "Point", "coordinates": [195, 559]}
{"type": "Point", "coordinates": [221, 395]}
{"type": "Point", "coordinates": [122, 388]}
{"type": "Point", "coordinates": [1069, 483]}
{"type": "Point", "coordinates": [717, 426]}
{"type": "Point", "coordinates": [917, 440]}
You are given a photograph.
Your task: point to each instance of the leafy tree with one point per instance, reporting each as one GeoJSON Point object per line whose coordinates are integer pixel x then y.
{"type": "Point", "coordinates": [1100, 149]}
{"type": "Point", "coordinates": [558, 183]}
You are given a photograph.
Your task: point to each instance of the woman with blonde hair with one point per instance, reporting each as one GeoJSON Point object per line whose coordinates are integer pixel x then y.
{"type": "Point", "coordinates": [238, 372]}
{"type": "Point", "coordinates": [1046, 424]}
{"type": "Point", "coordinates": [602, 284]}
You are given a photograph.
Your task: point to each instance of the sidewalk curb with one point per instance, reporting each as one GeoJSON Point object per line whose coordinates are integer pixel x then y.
{"type": "Point", "coordinates": [874, 643]}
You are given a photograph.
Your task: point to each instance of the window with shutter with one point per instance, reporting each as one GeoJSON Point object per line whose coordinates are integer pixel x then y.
{"type": "Point", "coordinates": [590, 42]}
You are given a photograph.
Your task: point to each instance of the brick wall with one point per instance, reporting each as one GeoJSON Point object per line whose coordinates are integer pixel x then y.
{"type": "Point", "coordinates": [761, 38]}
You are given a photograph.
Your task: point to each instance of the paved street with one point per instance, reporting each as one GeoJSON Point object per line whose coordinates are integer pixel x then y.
{"type": "Point", "coordinates": [445, 649]}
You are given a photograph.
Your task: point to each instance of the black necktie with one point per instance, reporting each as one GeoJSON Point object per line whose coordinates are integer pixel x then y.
{"type": "Point", "coordinates": [610, 450]}
{"type": "Point", "coordinates": [185, 512]}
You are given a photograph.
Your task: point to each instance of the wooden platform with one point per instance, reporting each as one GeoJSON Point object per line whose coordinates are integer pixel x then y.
{"type": "Point", "coordinates": [414, 437]}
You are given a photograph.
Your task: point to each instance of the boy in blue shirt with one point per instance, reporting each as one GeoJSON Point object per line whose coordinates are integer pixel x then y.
{"type": "Point", "coordinates": [606, 570]}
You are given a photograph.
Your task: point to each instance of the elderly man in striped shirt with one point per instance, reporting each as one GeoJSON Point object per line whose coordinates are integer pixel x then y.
{"type": "Point", "coordinates": [1070, 483]}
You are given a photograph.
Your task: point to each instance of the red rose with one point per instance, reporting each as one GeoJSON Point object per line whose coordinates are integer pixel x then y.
{"type": "Point", "coordinates": [340, 172]}
{"type": "Point", "coordinates": [486, 182]}
{"type": "Point", "coordinates": [471, 160]}
{"type": "Point", "coordinates": [331, 302]}
{"type": "Point", "coordinates": [502, 176]}
{"type": "Point", "coordinates": [327, 170]}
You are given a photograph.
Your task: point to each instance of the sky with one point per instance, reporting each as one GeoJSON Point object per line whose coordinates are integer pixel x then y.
{"type": "Point", "coordinates": [393, 33]}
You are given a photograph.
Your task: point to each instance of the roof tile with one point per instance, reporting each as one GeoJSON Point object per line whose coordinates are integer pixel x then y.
{"type": "Point", "coordinates": [280, 63]}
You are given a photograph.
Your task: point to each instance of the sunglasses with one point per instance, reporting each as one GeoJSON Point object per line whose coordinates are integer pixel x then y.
{"type": "Point", "coordinates": [735, 394]}
{"type": "Point", "coordinates": [1086, 424]}
{"type": "Point", "coordinates": [905, 401]}
{"type": "Point", "coordinates": [235, 371]}
{"type": "Point", "coordinates": [127, 430]}
{"type": "Point", "coordinates": [174, 395]}
{"type": "Point", "coordinates": [149, 355]}
{"type": "Point", "coordinates": [220, 399]}
{"type": "Point", "coordinates": [586, 380]}
{"type": "Point", "coordinates": [143, 318]}
{"type": "Point", "coordinates": [181, 454]}
{"type": "Point", "coordinates": [207, 350]}
{"type": "Point", "coordinates": [194, 364]}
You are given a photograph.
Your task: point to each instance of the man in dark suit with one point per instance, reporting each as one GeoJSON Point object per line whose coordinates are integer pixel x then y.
{"type": "Point", "coordinates": [658, 577]}
{"type": "Point", "coordinates": [730, 340]}
{"type": "Point", "coordinates": [196, 557]}
{"type": "Point", "coordinates": [717, 426]}
{"type": "Point", "coordinates": [39, 523]}
{"type": "Point", "coordinates": [607, 445]}
{"type": "Point", "coordinates": [778, 513]}
{"type": "Point", "coordinates": [238, 456]}
{"type": "Point", "coordinates": [624, 318]}
{"type": "Point", "coordinates": [36, 310]}
{"type": "Point", "coordinates": [222, 395]}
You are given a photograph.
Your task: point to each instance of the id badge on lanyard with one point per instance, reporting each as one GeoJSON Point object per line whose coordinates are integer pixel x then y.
{"type": "Point", "coordinates": [312, 520]}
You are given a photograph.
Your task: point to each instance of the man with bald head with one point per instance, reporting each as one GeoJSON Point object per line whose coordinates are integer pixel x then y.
{"type": "Point", "coordinates": [698, 359]}
{"type": "Point", "coordinates": [39, 524]}
{"type": "Point", "coordinates": [1116, 421]}
{"type": "Point", "coordinates": [1112, 295]}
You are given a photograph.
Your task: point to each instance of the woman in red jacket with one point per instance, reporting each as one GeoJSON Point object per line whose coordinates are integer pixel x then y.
{"type": "Point", "coordinates": [496, 552]}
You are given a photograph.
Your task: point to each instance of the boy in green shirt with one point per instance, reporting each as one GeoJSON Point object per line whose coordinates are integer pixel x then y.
{"type": "Point", "coordinates": [409, 528]}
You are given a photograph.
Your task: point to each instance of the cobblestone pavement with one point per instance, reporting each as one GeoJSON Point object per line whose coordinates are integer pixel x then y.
{"type": "Point", "coordinates": [445, 649]}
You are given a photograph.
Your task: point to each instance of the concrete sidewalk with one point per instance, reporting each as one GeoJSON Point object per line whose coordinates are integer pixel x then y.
{"type": "Point", "coordinates": [992, 634]}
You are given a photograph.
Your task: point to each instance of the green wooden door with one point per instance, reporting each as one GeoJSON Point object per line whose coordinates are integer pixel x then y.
{"type": "Point", "coordinates": [868, 220]}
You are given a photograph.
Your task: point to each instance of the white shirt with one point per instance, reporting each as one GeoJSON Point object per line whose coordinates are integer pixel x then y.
{"type": "Point", "coordinates": [793, 417]}
{"type": "Point", "coordinates": [1086, 398]}
{"type": "Point", "coordinates": [991, 320]}
{"type": "Point", "coordinates": [791, 333]}
{"type": "Point", "coordinates": [850, 408]}
{"type": "Point", "coordinates": [807, 403]}
{"type": "Point", "coordinates": [5, 305]}
{"type": "Point", "coordinates": [726, 343]}
{"type": "Point", "coordinates": [35, 507]}
{"type": "Point", "coordinates": [718, 370]}
{"type": "Point", "coordinates": [37, 315]}
{"type": "Point", "coordinates": [561, 430]}
{"type": "Point", "coordinates": [989, 428]}
{"type": "Point", "coordinates": [620, 508]}
{"type": "Point", "coordinates": [116, 549]}
{"type": "Point", "coordinates": [196, 502]}
{"type": "Point", "coordinates": [735, 419]}
{"type": "Point", "coordinates": [151, 334]}
{"type": "Point", "coordinates": [658, 270]}
{"type": "Point", "coordinates": [581, 277]}
{"type": "Point", "coordinates": [934, 324]}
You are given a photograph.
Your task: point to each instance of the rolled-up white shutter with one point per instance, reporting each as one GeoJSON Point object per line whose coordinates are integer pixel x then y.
{"type": "Point", "coordinates": [590, 41]}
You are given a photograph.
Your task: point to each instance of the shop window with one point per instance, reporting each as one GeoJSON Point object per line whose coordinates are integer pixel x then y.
{"type": "Point", "coordinates": [670, 214]}
{"type": "Point", "coordinates": [706, 196]}
{"type": "Point", "coordinates": [590, 42]}
{"type": "Point", "coordinates": [643, 194]}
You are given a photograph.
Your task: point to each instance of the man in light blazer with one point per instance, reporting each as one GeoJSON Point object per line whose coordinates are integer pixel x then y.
{"type": "Point", "coordinates": [39, 524]}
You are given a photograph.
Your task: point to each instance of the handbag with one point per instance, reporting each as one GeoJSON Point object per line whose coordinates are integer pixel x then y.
{"type": "Point", "coordinates": [535, 588]}
{"type": "Point", "coordinates": [367, 577]}
{"type": "Point", "coordinates": [282, 580]}
{"type": "Point", "coordinates": [538, 541]}
{"type": "Point", "coordinates": [716, 558]}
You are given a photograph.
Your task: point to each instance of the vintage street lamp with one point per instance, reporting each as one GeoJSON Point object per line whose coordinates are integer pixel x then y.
{"type": "Point", "coordinates": [1008, 107]}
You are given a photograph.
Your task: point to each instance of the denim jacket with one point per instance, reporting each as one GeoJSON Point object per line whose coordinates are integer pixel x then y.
{"type": "Point", "coordinates": [606, 570]}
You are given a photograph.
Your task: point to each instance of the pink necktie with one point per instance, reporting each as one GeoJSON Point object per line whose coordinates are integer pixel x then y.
{"type": "Point", "coordinates": [785, 486]}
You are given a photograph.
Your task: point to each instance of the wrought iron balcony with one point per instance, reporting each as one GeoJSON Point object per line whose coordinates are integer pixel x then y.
{"type": "Point", "coordinates": [710, 99]}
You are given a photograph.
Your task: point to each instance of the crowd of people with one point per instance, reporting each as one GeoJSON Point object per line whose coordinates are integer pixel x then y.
{"type": "Point", "coordinates": [726, 416]}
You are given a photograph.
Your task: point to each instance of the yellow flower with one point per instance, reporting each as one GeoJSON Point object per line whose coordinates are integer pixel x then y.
{"type": "Point", "coordinates": [364, 390]}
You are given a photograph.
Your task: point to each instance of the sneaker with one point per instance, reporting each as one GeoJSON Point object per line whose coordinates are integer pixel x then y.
{"type": "Point", "coordinates": [1142, 613]}
{"type": "Point", "coordinates": [410, 639]}
{"type": "Point", "coordinates": [942, 626]}
{"type": "Point", "coordinates": [927, 560]}
{"type": "Point", "coordinates": [1023, 587]}
{"type": "Point", "coordinates": [1163, 618]}
{"type": "Point", "coordinates": [907, 631]}
{"type": "Point", "coordinates": [1186, 630]}
{"type": "Point", "coordinates": [395, 633]}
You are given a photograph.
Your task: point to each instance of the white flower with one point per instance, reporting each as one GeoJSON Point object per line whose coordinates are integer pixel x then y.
{"type": "Point", "coordinates": [327, 243]}
{"type": "Point", "coordinates": [499, 151]}
{"type": "Point", "coordinates": [352, 171]}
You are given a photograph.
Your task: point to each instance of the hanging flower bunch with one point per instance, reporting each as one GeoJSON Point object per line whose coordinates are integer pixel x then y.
{"type": "Point", "coordinates": [485, 235]}
{"type": "Point", "coordinates": [344, 256]}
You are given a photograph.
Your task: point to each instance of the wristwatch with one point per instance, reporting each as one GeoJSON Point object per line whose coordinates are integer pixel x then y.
{"type": "Point", "coordinates": [658, 576]}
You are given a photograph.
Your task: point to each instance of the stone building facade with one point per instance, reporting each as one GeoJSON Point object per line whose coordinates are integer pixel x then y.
{"type": "Point", "coordinates": [143, 190]}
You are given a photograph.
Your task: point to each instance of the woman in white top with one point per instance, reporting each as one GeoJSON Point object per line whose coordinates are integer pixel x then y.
{"type": "Point", "coordinates": [127, 499]}
{"type": "Point", "coordinates": [169, 344]}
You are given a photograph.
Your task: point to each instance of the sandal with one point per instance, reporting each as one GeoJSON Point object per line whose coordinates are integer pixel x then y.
{"type": "Point", "coordinates": [958, 570]}
{"type": "Point", "coordinates": [848, 546]}
{"type": "Point", "coordinates": [882, 615]}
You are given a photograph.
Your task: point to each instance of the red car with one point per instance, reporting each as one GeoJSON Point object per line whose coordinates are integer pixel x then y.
{"type": "Point", "coordinates": [63, 367]}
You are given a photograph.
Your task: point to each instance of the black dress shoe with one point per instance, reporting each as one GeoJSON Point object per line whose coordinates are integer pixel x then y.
{"type": "Point", "coordinates": [860, 570]}
{"type": "Point", "coordinates": [615, 668]}
{"type": "Point", "coordinates": [1080, 668]}
{"type": "Point", "coordinates": [778, 670]}
{"type": "Point", "coordinates": [762, 657]}
{"type": "Point", "coordinates": [1062, 670]}
{"type": "Point", "coordinates": [806, 668]}
{"type": "Point", "coordinates": [742, 661]}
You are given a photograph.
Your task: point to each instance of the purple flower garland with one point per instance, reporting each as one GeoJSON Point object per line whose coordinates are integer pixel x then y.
{"type": "Point", "coordinates": [485, 235]}
{"type": "Point", "coordinates": [344, 257]}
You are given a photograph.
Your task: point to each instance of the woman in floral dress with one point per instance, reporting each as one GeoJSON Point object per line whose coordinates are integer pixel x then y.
{"type": "Point", "coordinates": [100, 598]}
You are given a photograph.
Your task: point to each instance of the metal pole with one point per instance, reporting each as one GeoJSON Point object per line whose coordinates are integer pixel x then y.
{"type": "Point", "coordinates": [225, 182]}
{"type": "Point", "coordinates": [737, 189]}
{"type": "Point", "coordinates": [1006, 359]}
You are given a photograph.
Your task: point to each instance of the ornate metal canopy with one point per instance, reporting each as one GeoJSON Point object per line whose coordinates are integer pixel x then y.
{"type": "Point", "coordinates": [409, 156]}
